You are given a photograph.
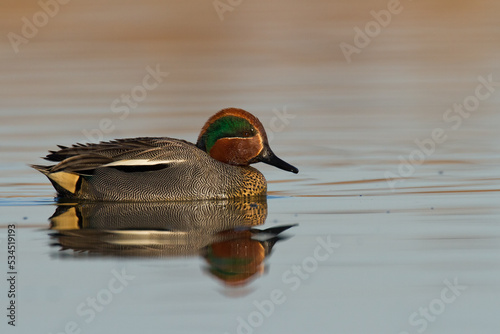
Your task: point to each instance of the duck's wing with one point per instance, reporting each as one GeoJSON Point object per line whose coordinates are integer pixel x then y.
{"type": "Point", "coordinates": [145, 152]}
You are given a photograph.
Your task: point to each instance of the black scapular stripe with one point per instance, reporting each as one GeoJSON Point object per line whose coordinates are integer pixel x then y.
{"type": "Point", "coordinates": [140, 168]}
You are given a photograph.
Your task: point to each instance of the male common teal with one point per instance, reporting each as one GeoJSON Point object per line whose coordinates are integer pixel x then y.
{"type": "Point", "coordinates": [159, 169]}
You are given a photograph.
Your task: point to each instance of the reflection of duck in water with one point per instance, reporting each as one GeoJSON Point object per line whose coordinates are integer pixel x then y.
{"type": "Point", "coordinates": [240, 255]}
{"type": "Point", "coordinates": [220, 231]}
{"type": "Point", "coordinates": [159, 169]}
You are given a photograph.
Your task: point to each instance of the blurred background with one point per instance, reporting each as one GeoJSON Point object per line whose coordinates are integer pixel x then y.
{"type": "Point", "coordinates": [66, 67]}
{"type": "Point", "coordinates": [344, 89]}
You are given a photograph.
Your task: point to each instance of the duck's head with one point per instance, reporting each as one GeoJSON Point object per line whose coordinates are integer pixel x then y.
{"type": "Point", "coordinates": [236, 137]}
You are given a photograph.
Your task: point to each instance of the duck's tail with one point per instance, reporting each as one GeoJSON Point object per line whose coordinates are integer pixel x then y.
{"type": "Point", "coordinates": [65, 183]}
{"type": "Point", "coordinates": [45, 170]}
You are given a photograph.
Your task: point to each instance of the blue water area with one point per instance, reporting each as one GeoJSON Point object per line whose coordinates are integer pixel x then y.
{"type": "Point", "coordinates": [391, 225]}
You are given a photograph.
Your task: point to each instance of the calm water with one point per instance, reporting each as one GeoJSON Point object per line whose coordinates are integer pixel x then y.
{"type": "Point", "coordinates": [395, 209]}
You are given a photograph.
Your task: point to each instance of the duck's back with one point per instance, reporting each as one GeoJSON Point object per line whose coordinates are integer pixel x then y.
{"type": "Point", "coordinates": [147, 169]}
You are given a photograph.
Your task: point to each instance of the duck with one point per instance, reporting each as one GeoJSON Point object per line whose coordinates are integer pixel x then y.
{"type": "Point", "coordinates": [168, 169]}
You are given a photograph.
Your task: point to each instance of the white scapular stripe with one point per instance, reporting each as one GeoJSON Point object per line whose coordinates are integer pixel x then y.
{"type": "Point", "coordinates": [139, 162]}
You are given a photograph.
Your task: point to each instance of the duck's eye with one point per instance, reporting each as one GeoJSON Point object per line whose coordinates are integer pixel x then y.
{"type": "Point", "coordinates": [249, 132]}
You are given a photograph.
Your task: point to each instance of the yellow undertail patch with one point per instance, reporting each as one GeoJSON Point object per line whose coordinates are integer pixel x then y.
{"type": "Point", "coordinates": [65, 180]}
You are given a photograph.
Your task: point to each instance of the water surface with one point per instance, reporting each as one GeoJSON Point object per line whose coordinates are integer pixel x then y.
{"type": "Point", "coordinates": [397, 231]}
